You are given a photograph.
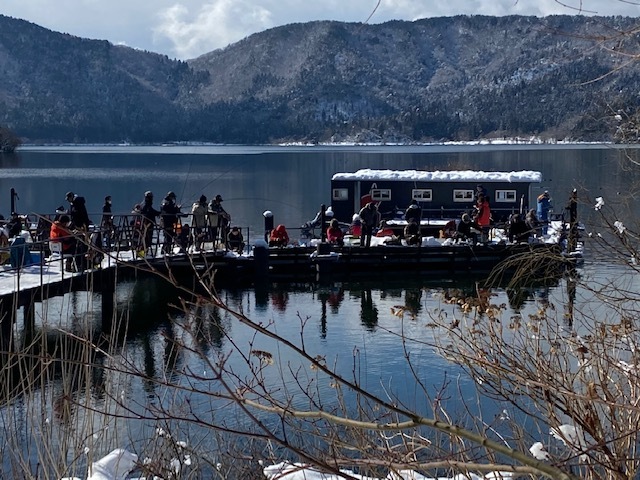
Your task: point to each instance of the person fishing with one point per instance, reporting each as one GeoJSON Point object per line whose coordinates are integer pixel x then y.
{"type": "Point", "coordinates": [219, 221]}
{"type": "Point", "coordinates": [169, 211]}
{"type": "Point", "coordinates": [78, 211]}
{"type": "Point", "coordinates": [279, 237]}
{"type": "Point", "coordinates": [199, 212]}
{"type": "Point", "coordinates": [106, 225]}
{"type": "Point", "coordinates": [149, 216]}
{"type": "Point", "coordinates": [543, 208]}
{"type": "Point", "coordinates": [369, 218]}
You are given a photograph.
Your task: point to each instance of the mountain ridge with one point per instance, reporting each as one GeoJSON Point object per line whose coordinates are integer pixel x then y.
{"type": "Point", "coordinates": [437, 79]}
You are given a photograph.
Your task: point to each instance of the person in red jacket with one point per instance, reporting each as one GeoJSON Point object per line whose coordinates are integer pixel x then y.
{"type": "Point", "coordinates": [279, 237]}
{"type": "Point", "coordinates": [483, 216]}
{"type": "Point", "coordinates": [335, 235]}
{"type": "Point", "coordinates": [60, 232]}
{"type": "Point", "coordinates": [483, 212]}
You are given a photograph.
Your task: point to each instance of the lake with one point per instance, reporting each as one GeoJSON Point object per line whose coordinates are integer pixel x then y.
{"type": "Point", "coordinates": [292, 182]}
{"type": "Point", "coordinates": [358, 326]}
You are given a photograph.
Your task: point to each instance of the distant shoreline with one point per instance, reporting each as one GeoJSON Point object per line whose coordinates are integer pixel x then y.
{"type": "Point", "coordinates": [483, 142]}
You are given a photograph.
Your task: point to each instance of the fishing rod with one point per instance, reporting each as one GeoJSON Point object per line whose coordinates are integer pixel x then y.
{"type": "Point", "coordinates": [277, 202]}
{"type": "Point", "coordinates": [184, 184]}
{"type": "Point", "coordinates": [215, 179]}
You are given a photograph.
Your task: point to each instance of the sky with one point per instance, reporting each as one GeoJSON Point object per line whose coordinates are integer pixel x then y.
{"type": "Point", "coordinates": [185, 29]}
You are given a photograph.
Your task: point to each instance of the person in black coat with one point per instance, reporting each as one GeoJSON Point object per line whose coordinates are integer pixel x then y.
{"type": "Point", "coordinates": [518, 229]}
{"type": "Point", "coordinates": [235, 240]}
{"type": "Point", "coordinates": [78, 211]}
{"type": "Point", "coordinates": [467, 228]}
{"type": "Point", "coordinates": [369, 217]}
{"type": "Point", "coordinates": [106, 226]}
{"type": "Point", "coordinates": [413, 212]}
{"type": "Point", "coordinates": [219, 221]}
{"type": "Point", "coordinates": [169, 212]}
{"type": "Point", "coordinates": [149, 215]}
{"type": "Point", "coordinates": [534, 225]}
{"type": "Point", "coordinates": [412, 233]}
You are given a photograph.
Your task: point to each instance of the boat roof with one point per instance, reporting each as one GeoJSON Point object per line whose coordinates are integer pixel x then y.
{"type": "Point", "coordinates": [438, 176]}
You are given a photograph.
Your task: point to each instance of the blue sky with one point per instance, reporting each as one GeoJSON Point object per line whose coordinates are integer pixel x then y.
{"type": "Point", "coordinates": [185, 29]}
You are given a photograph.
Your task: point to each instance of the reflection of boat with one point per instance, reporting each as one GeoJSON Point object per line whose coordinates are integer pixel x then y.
{"type": "Point", "coordinates": [441, 195]}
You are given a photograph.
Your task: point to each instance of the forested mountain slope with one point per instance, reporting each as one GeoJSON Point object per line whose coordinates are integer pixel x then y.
{"type": "Point", "coordinates": [450, 78]}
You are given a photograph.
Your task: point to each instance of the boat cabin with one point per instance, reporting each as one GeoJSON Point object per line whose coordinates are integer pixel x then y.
{"type": "Point", "coordinates": [442, 196]}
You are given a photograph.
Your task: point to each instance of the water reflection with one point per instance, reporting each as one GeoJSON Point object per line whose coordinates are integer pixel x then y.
{"type": "Point", "coordinates": [160, 339]}
{"type": "Point", "coordinates": [170, 345]}
{"type": "Point", "coordinates": [368, 310]}
{"type": "Point", "coordinates": [413, 299]}
{"type": "Point", "coordinates": [331, 297]}
{"type": "Point", "coordinates": [280, 299]}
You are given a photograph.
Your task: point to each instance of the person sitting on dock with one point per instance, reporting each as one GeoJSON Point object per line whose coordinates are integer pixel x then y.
{"type": "Point", "coordinates": [532, 222]}
{"type": "Point", "coordinates": [309, 227]}
{"type": "Point", "coordinates": [449, 230]}
{"type": "Point", "coordinates": [279, 237]}
{"type": "Point", "coordinates": [62, 232]}
{"type": "Point", "coordinates": [413, 212]}
{"type": "Point", "coordinates": [467, 228]}
{"type": "Point", "coordinates": [19, 253]}
{"type": "Point", "coordinates": [355, 229]}
{"type": "Point", "coordinates": [335, 235]}
{"type": "Point", "coordinates": [235, 240]}
{"type": "Point", "coordinates": [412, 233]}
{"type": "Point", "coordinates": [184, 239]}
{"type": "Point", "coordinates": [384, 230]}
{"type": "Point", "coordinates": [518, 229]}
{"type": "Point", "coordinates": [369, 218]}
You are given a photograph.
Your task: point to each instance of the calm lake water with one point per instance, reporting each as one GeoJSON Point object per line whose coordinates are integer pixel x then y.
{"type": "Point", "coordinates": [290, 181]}
{"type": "Point", "coordinates": [350, 324]}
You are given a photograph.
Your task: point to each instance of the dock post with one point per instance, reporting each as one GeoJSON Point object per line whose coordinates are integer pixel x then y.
{"type": "Point", "coordinates": [29, 312]}
{"type": "Point", "coordinates": [573, 222]}
{"type": "Point", "coordinates": [323, 217]}
{"type": "Point", "coordinates": [261, 261]}
{"type": "Point", "coordinates": [323, 260]}
{"type": "Point", "coordinates": [9, 305]}
{"type": "Point", "coordinates": [268, 224]}
{"type": "Point", "coordinates": [107, 290]}
{"type": "Point", "coordinates": [14, 195]}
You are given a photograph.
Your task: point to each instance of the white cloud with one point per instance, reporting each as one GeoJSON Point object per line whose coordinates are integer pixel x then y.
{"type": "Point", "coordinates": [214, 25]}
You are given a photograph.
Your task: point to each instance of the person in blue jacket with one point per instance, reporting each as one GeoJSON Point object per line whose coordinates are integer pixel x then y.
{"type": "Point", "coordinates": [544, 206]}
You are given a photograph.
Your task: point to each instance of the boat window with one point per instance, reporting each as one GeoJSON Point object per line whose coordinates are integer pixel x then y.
{"type": "Point", "coordinates": [380, 194]}
{"type": "Point", "coordinates": [340, 194]}
{"type": "Point", "coordinates": [422, 194]}
{"type": "Point", "coordinates": [506, 196]}
{"type": "Point", "coordinates": [462, 195]}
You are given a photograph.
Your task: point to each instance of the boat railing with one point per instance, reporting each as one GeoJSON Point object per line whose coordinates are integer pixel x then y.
{"type": "Point", "coordinates": [118, 234]}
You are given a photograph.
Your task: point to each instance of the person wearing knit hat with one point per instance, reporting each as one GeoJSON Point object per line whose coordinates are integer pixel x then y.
{"type": "Point", "coordinates": [543, 208]}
